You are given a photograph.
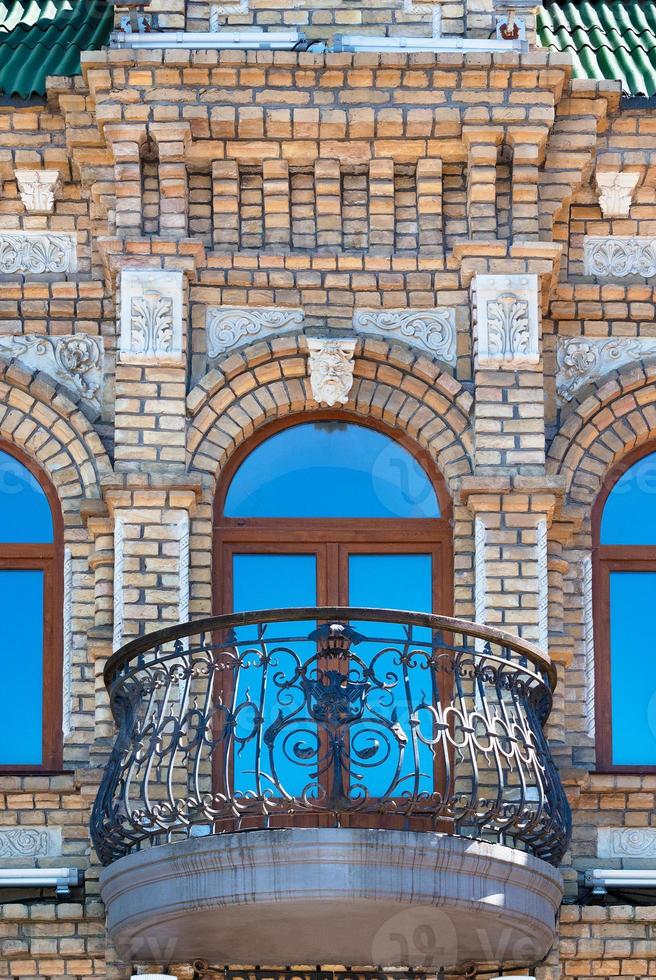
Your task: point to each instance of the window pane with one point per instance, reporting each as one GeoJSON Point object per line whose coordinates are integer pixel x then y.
{"type": "Point", "coordinates": [393, 582]}
{"type": "Point", "coordinates": [21, 656]}
{"type": "Point", "coordinates": [633, 667]}
{"type": "Point", "coordinates": [330, 469]}
{"type": "Point", "coordinates": [288, 760]}
{"type": "Point", "coordinates": [24, 509]}
{"type": "Point", "coordinates": [630, 511]}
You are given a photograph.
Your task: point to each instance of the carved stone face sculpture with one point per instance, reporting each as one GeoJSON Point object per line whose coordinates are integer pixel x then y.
{"type": "Point", "coordinates": [331, 369]}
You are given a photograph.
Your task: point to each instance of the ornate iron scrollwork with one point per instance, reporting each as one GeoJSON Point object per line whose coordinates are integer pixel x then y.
{"type": "Point", "coordinates": [410, 722]}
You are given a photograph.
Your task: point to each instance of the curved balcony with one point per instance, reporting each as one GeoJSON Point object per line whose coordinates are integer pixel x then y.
{"type": "Point", "coordinates": [383, 763]}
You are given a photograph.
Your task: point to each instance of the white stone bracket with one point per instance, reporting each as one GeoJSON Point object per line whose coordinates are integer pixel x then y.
{"type": "Point", "coordinates": [506, 321]}
{"type": "Point", "coordinates": [431, 330]}
{"type": "Point", "coordinates": [38, 189]}
{"type": "Point", "coordinates": [73, 360]}
{"type": "Point", "coordinates": [581, 360]}
{"type": "Point", "coordinates": [151, 319]}
{"type": "Point", "coordinates": [231, 327]}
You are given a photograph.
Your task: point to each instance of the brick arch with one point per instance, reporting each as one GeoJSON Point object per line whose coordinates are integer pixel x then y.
{"type": "Point", "coordinates": [617, 417]}
{"type": "Point", "coordinates": [48, 426]}
{"type": "Point", "coordinates": [265, 381]}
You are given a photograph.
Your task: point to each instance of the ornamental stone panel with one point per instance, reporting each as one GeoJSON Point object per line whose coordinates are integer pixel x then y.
{"type": "Point", "coordinates": [37, 252]}
{"type": "Point", "coordinates": [613, 257]}
{"type": "Point", "coordinates": [627, 842]}
{"type": "Point", "coordinates": [151, 316]}
{"type": "Point", "coordinates": [74, 360]}
{"type": "Point", "coordinates": [581, 360]}
{"type": "Point", "coordinates": [507, 320]}
{"type": "Point", "coordinates": [30, 842]}
{"type": "Point", "coordinates": [230, 327]}
{"type": "Point", "coordinates": [432, 330]}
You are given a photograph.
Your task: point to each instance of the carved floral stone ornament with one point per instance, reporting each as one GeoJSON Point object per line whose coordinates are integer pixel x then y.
{"type": "Point", "coordinates": [581, 360]}
{"type": "Point", "coordinates": [614, 257]}
{"type": "Point", "coordinates": [37, 189]}
{"type": "Point", "coordinates": [331, 369]}
{"type": "Point", "coordinates": [229, 327]}
{"type": "Point", "coordinates": [627, 842]}
{"type": "Point", "coordinates": [73, 360]}
{"type": "Point", "coordinates": [432, 330]}
{"type": "Point", "coordinates": [37, 252]}
{"type": "Point", "coordinates": [151, 316]}
{"type": "Point", "coordinates": [616, 189]}
{"type": "Point", "coordinates": [507, 320]}
{"type": "Point", "coordinates": [30, 842]}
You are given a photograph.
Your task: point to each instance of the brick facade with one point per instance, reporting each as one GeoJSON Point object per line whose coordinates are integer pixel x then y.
{"type": "Point", "coordinates": [328, 183]}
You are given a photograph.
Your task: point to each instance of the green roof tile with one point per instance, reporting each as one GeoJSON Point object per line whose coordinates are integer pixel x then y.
{"type": "Point", "coordinates": [608, 39]}
{"type": "Point", "coordinates": [45, 37]}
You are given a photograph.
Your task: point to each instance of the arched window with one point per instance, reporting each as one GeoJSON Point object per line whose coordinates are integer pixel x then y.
{"type": "Point", "coordinates": [624, 529]}
{"type": "Point", "coordinates": [30, 612]}
{"type": "Point", "coordinates": [330, 512]}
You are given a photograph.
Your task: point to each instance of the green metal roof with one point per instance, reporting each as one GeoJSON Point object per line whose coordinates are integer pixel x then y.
{"type": "Point", "coordinates": [608, 39]}
{"type": "Point", "coordinates": [45, 37]}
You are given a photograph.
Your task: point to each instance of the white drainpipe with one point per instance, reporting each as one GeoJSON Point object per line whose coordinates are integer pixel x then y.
{"type": "Point", "coordinates": [61, 879]}
{"type": "Point", "coordinates": [209, 40]}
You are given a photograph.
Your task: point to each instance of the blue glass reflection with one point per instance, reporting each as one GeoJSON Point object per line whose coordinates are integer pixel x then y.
{"type": "Point", "coordinates": [330, 469]}
{"type": "Point", "coordinates": [633, 668]}
{"type": "Point", "coordinates": [25, 515]}
{"type": "Point", "coordinates": [630, 511]}
{"type": "Point", "coordinates": [262, 581]}
{"type": "Point", "coordinates": [21, 658]}
{"type": "Point", "coordinates": [400, 581]}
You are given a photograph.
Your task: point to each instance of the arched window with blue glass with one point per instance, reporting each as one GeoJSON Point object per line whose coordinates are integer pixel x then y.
{"type": "Point", "coordinates": [624, 529]}
{"type": "Point", "coordinates": [326, 511]}
{"type": "Point", "coordinates": [30, 612]}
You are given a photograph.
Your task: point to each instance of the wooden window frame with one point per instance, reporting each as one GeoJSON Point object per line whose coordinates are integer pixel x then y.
{"type": "Point", "coordinates": [49, 559]}
{"type": "Point", "coordinates": [605, 560]}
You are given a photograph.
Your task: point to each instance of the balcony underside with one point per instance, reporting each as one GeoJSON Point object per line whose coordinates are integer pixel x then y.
{"type": "Point", "coordinates": [349, 896]}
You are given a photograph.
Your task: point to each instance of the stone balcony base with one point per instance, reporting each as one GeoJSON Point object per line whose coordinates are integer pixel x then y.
{"type": "Point", "coordinates": [368, 897]}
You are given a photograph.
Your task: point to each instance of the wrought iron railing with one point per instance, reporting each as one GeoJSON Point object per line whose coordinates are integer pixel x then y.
{"type": "Point", "coordinates": [330, 717]}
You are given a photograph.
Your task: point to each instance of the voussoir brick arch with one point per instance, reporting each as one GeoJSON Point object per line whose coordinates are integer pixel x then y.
{"type": "Point", "coordinates": [268, 380]}
{"type": "Point", "coordinates": [49, 427]}
{"type": "Point", "coordinates": [617, 417]}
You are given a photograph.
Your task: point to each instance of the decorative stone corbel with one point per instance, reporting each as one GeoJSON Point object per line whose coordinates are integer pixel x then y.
{"type": "Point", "coordinates": [507, 320]}
{"type": "Point", "coordinates": [616, 190]}
{"type": "Point", "coordinates": [38, 189]}
{"type": "Point", "coordinates": [151, 315]}
{"type": "Point", "coordinates": [331, 369]}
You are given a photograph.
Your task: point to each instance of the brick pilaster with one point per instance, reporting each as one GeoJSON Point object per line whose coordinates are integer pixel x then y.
{"type": "Point", "coordinates": [172, 142]}
{"type": "Point", "coordinates": [276, 194]}
{"type": "Point", "coordinates": [328, 196]}
{"type": "Point", "coordinates": [225, 204]}
{"type": "Point", "coordinates": [126, 142]}
{"type": "Point", "coordinates": [482, 152]}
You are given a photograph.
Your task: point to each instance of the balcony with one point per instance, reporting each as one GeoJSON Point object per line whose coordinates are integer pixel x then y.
{"type": "Point", "coordinates": [331, 785]}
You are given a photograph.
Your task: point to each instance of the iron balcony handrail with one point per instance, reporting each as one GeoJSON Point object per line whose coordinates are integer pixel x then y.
{"type": "Point", "coordinates": [445, 624]}
{"type": "Point", "coordinates": [433, 724]}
